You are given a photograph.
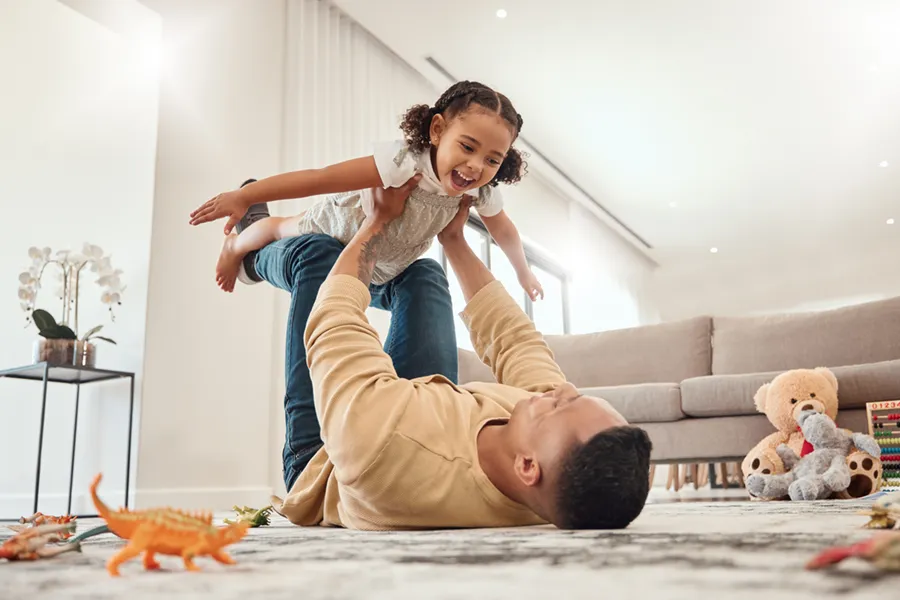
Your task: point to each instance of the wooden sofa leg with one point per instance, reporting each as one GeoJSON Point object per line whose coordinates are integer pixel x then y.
{"type": "Point", "coordinates": [652, 474]}
{"type": "Point", "coordinates": [695, 475]}
{"type": "Point", "coordinates": [737, 475]}
{"type": "Point", "coordinates": [704, 475]}
{"type": "Point", "coordinates": [722, 474]}
{"type": "Point", "coordinates": [670, 479]}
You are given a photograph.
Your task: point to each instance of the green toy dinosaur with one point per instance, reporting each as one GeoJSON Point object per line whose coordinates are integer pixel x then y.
{"type": "Point", "coordinates": [256, 518]}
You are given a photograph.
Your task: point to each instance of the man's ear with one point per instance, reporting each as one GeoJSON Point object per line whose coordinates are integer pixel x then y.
{"type": "Point", "coordinates": [527, 470]}
{"type": "Point", "coordinates": [438, 126]}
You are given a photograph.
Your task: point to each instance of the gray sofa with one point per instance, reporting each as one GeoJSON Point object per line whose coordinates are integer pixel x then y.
{"type": "Point", "coordinates": [691, 383]}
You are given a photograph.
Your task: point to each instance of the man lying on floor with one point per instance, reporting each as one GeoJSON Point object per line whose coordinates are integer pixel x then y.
{"type": "Point", "coordinates": [425, 453]}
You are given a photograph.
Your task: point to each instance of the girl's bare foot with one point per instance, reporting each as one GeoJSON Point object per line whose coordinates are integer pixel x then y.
{"type": "Point", "coordinates": [229, 264]}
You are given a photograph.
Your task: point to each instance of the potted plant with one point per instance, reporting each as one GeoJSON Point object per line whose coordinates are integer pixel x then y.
{"type": "Point", "coordinates": [60, 343]}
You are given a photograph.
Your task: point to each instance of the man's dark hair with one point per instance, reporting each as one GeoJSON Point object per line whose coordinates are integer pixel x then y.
{"type": "Point", "coordinates": [603, 483]}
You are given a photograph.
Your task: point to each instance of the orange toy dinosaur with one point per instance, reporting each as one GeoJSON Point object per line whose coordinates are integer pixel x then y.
{"type": "Point", "coordinates": [166, 531]}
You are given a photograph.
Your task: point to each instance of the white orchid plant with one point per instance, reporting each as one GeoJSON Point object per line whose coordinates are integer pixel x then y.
{"type": "Point", "coordinates": [70, 266]}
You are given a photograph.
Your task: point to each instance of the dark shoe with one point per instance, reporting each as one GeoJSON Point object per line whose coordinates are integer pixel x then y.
{"type": "Point", "coordinates": [247, 273]}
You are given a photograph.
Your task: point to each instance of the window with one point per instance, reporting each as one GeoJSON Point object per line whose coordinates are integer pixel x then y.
{"type": "Point", "coordinates": [506, 274]}
{"type": "Point", "coordinates": [434, 251]}
{"type": "Point", "coordinates": [550, 314]}
{"type": "Point", "coordinates": [459, 301]}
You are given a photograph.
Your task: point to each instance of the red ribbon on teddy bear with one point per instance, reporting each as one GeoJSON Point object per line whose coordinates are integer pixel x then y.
{"type": "Point", "coordinates": [807, 447]}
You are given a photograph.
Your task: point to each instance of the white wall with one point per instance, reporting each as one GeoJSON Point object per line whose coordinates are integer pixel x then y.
{"type": "Point", "coordinates": [78, 121]}
{"type": "Point", "coordinates": [205, 423]}
{"type": "Point", "coordinates": [610, 278]}
{"type": "Point", "coordinates": [792, 281]}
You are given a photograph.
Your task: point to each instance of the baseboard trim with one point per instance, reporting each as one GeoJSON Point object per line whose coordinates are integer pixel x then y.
{"type": "Point", "coordinates": [13, 506]}
{"type": "Point", "coordinates": [214, 499]}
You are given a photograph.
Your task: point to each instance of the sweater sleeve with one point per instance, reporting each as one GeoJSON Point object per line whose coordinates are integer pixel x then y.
{"type": "Point", "coordinates": [359, 398]}
{"type": "Point", "coordinates": [505, 340]}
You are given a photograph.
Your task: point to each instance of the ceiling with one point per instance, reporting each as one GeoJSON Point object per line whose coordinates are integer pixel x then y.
{"type": "Point", "coordinates": [745, 126]}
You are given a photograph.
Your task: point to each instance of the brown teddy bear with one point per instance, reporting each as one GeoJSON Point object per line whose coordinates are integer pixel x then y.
{"type": "Point", "coordinates": [782, 401]}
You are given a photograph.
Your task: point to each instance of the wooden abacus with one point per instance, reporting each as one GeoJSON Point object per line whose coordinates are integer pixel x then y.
{"type": "Point", "coordinates": [884, 426]}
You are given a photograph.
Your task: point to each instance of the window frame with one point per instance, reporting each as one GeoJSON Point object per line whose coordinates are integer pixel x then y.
{"type": "Point", "coordinates": [534, 259]}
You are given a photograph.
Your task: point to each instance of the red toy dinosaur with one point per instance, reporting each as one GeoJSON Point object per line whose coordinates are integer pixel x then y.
{"type": "Point", "coordinates": [32, 543]}
{"type": "Point", "coordinates": [882, 550]}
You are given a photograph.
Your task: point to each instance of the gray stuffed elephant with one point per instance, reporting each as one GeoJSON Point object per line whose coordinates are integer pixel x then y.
{"type": "Point", "coordinates": [820, 473]}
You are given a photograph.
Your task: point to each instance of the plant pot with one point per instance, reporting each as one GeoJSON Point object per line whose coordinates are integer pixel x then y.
{"type": "Point", "coordinates": [85, 354]}
{"type": "Point", "coordinates": [64, 352]}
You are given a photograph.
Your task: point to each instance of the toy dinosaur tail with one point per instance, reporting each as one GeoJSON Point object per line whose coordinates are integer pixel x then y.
{"type": "Point", "coordinates": [835, 555]}
{"type": "Point", "coordinates": [102, 509]}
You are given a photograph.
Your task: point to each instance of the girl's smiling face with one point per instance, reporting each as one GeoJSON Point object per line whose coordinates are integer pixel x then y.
{"type": "Point", "coordinates": [468, 149]}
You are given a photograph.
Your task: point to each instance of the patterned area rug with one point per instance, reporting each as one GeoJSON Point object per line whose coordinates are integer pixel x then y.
{"type": "Point", "coordinates": [690, 550]}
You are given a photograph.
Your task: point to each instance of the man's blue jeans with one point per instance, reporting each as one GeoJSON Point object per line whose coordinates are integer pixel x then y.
{"type": "Point", "coordinates": [421, 340]}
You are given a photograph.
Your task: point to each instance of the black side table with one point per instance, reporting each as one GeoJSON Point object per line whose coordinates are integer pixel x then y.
{"type": "Point", "coordinates": [70, 374]}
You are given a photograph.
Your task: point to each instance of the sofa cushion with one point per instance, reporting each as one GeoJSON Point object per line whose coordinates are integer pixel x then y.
{"type": "Point", "coordinates": [649, 402]}
{"type": "Point", "coordinates": [651, 354]}
{"type": "Point", "coordinates": [472, 369]}
{"type": "Point", "coordinates": [645, 403]}
{"type": "Point", "coordinates": [729, 395]}
{"type": "Point", "coordinates": [865, 333]}
{"type": "Point", "coordinates": [721, 438]}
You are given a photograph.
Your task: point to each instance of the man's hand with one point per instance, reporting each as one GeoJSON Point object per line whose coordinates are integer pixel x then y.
{"type": "Point", "coordinates": [470, 271]}
{"type": "Point", "coordinates": [389, 203]}
{"type": "Point", "coordinates": [453, 232]}
{"type": "Point", "coordinates": [229, 204]}
{"type": "Point", "coordinates": [361, 254]}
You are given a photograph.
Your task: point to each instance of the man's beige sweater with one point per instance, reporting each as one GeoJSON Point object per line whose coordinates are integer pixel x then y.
{"type": "Point", "coordinates": [402, 454]}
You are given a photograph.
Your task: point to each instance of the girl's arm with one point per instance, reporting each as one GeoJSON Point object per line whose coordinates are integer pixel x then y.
{"type": "Point", "coordinates": [504, 232]}
{"type": "Point", "coordinates": [348, 176]}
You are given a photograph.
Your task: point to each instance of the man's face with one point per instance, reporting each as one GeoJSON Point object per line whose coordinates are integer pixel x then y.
{"type": "Point", "coordinates": [546, 426]}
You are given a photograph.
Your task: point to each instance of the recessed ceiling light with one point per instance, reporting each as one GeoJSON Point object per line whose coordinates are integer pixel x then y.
{"type": "Point", "coordinates": [501, 14]}
{"type": "Point", "coordinates": [714, 250]}
{"type": "Point", "coordinates": [890, 221]}
{"type": "Point", "coordinates": [673, 204]}
{"type": "Point", "coordinates": [883, 163]}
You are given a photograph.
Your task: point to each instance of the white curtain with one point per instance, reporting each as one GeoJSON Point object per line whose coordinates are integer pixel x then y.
{"type": "Point", "coordinates": [344, 89]}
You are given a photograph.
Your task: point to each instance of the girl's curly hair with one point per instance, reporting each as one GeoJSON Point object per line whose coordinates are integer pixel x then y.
{"type": "Point", "coordinates": [416, 124]}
